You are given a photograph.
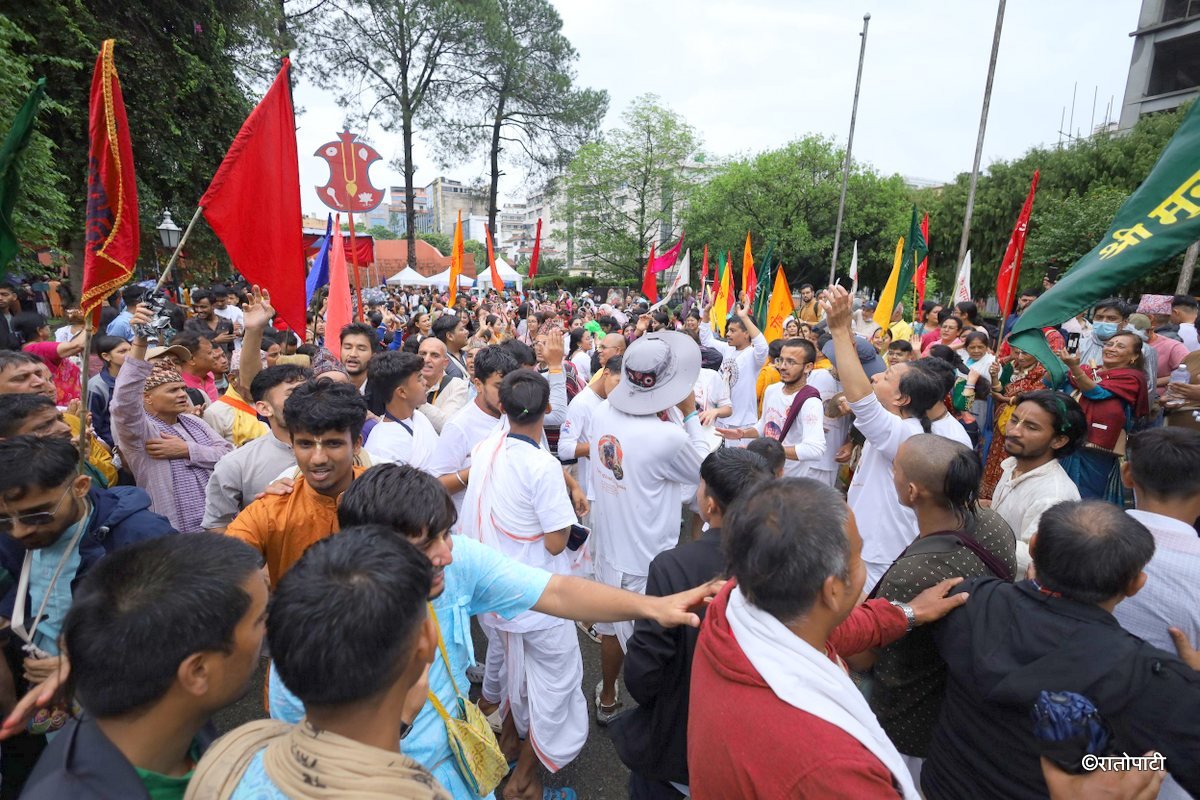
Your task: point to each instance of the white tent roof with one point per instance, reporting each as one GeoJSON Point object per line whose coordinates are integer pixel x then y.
{"type": "Point", "coordinates": [443, 279]}
{"type": "Point", "coordinates": [507, 274]}
{"type": "Point", "coordinates": [408, 277]}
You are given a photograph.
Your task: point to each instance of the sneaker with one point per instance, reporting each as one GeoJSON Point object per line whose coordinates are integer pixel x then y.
{"type": "Point", "coordinates": [606, 714]}
{"type": "Point", "coordinates": [475, 674]}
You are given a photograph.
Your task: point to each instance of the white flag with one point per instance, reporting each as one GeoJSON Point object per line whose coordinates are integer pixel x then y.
{"type": "Point", "coordinates": [854, 271]}
{"type": "Point", "coordinates": [962, 284]}
{"type": "Point", "coordinates": [681, 279]}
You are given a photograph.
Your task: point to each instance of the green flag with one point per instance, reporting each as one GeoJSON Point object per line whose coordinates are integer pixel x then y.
{"type": "Point", "coordinates": [915, 249]}
{"type": "Point", "coordinates": [10, 180]}
{"type": "Point", "coordinates": [1158, 221]}
{"type": "Point", "coordinates": [762, 293]}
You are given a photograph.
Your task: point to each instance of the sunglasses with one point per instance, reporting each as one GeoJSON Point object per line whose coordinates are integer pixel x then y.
{"type": "Point", "coordinates": [34, 519]}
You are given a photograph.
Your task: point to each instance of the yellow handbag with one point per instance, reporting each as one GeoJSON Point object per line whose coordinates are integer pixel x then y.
{"type": "Point", "coordinates": [476, 751]}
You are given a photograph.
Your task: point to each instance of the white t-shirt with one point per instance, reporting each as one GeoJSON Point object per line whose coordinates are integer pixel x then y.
{"type": "Point", "coordinates": [886, 526]}
{"type": "Point", "coordinates": [583, 363]}
{"type": "Point", "coordinates": [412, 441]}
{"type": "Point", "coordinates": [741, 374]}
{"type": "Point", "coordinates": [807, 433]}
{"type": "Point", "coordinates": [711, 391]}
{"type": "Point", "coordinates": [837, 429]}
{"type": "Point", "coordinates": [575, 430]}
{"type": "Point", "coordinates": [470, 426]}
{"type": "Point", "coordinates": [638, 463]}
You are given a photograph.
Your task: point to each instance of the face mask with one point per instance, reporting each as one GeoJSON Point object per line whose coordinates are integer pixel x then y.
{"type": "Point", "coordinates": [1104, 330]}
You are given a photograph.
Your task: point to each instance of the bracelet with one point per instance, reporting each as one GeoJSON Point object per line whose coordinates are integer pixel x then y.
{"type": "Point", "coordinates": [689, 416]}
{"type": "Point", "coordinates": [461, 482]}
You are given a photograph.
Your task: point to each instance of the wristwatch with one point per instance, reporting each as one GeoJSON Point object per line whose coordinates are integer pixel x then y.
{"type": "Point", "coordinates": [910, 616]}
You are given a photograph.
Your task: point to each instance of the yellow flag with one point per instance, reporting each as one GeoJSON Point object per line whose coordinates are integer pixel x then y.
{"type": "Point", "coordinates": [887, 300]}
{"type": "Point", "coordinates": [780, 306]}
{"type": "Point", "coordinates": [721, 306]}
{"type": "Point", "coordinates": [456, 259]}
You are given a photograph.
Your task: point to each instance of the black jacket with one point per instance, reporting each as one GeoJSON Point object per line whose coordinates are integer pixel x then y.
{"type": "Point", "coordinates": [1010, 642]}
{"type": "Point", "coordinates": [82, 764]}
{"type": "Point", "coordinates": [652, 738]}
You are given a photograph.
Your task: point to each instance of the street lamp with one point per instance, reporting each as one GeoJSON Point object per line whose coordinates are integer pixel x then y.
{"type": "Point", "coordinates": [169, 232]}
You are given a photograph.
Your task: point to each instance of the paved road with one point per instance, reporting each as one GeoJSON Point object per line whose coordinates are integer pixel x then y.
{"type": "Point", "coordinates": [597, 774]}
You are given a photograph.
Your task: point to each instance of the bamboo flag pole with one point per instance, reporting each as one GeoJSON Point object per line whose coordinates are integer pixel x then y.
{"type": "Point", "coordinates": [83, 392]}
{"type": "Point", "coordinates": [175, 255]}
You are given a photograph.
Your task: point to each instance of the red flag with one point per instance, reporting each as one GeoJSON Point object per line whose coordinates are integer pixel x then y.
{"type": "Point", "coordinates": [497, 283]}
{"type": "Point", "coordinates": [113, 240]}
{"type": "Point", "coordinates": [923, 270]}
{"type": "Point", "coordinates": [338, 313]}
{"type": "Point", "coordinates": [253, 202]}
{"type": "Point", "coordinates": [650, 282]}
{"type": "Point", "coordinates": [704, 268]}
{"type": "Point", "coordinates": [1010, 267]}
{"type": "Point", "coordinates": [668, 259]}
{"type": "Point", "coordinates": [537, 251]}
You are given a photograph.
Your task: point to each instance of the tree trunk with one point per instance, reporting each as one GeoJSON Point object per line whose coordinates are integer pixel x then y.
{"type": "Point", "coordinates": [410, 195]}
{"type": "Point", "coordinates": [1189, 268]}
{"type": "Point", "coordinates": [494, 189]}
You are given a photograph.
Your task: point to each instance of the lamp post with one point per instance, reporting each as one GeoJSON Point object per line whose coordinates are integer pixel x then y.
{"type": "Point", "coordinates": [169, 235]}
{"type": "Point", "coordinates": [169, 232]}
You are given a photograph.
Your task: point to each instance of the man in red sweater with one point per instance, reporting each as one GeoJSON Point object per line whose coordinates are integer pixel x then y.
{"type": "Point", "coordinates": [773, 711]}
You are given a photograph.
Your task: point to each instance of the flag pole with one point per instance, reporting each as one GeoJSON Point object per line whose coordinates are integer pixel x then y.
{"type": "Point", "coordinates": [179, 247]}
{"type": "Point", "coordinates": [837, 231]}
{"type": "Point", "coordinates": [354, 261]}
{"type": "Point", "coordinates": [83, 391]}
{"type": "Point", "coordinates": [987, 100]}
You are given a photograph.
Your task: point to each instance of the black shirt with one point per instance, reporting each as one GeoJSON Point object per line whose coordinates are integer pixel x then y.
{"type": "Point", "coordinates": [652, 738]}
{"type": "Point", "coordinates": [1010, 642]}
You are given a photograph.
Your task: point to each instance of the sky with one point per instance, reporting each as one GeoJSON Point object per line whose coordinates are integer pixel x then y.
{"type": "Point", "coordinates": [753, 75]}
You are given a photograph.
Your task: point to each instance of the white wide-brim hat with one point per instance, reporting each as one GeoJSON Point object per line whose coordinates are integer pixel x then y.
{"type": "Point", "coordinates": [659, 370]}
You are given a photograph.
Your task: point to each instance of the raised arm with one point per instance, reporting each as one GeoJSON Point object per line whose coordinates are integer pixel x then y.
{"type": "Point", "coordinates": [256, 316]}
{"type": "Point", "coordinates": [839, 310]}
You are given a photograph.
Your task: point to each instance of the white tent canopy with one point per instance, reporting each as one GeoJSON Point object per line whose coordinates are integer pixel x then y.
{"type": "Point", "coordinates": [408, 277]}
{"type": "Point", "coordinates": [507, 274]}
{"type": "Point", "coordinates": [443, 279]}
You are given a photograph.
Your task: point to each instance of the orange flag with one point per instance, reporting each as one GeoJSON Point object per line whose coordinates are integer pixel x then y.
{"type": "Point", "coordinates": [749, 279]}
{"type": "Point", "coordinates": [779, 308]}
{"type": "Point", "coordinates": [456, 260]}
{"type": "Point", "coordinates": [497, 283]}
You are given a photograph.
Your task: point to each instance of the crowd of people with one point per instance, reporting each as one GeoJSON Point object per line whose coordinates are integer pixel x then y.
{"type": "Point", "coordinates": [833, 560]}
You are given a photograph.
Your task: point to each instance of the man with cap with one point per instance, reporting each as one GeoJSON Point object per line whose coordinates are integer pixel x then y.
{"type": "Point", "coordinates": [744, 354]}
{"type": "Point", "coordinates": [638, 461]}
{"type": "Point", "coordinates": [169, 450]}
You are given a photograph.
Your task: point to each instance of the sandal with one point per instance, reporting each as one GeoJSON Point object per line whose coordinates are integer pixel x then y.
{"type": "Point", "coordinates": [605, 714]}
{"type": "Point", "coordinates": [589, 631]}
{"type": "Point", "coordinates": [564, 793]}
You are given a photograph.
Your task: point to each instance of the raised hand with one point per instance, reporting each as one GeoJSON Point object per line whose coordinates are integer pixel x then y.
{"type": "Point", "coordinates": [258, 312]}
{"type": "Point", "coordinates": [839, 308]}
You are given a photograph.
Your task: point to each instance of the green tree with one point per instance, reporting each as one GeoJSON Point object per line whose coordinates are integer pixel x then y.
{"type": "Point", "coordinates": [621, 191]}
{"type": "Point", "coordinates": [787, 199]}
{"type": "Point", "coordinates": [391, 56]}
{"type": "Point", "coordinates": [42, 213]}
{"type": "Point", "coordinates": [1079, 185]}
{"type": "Point", "coordinates": [518, 94]}
{"type": "Point", "coordinates": [184, 69]}
{"type": "Point", "coordinates": [381, 232]}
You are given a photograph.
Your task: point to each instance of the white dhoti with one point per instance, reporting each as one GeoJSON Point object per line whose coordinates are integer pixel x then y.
{"type": "Point", "coordinates": [611, 576]}
{"type": "Point", "coordinates": [544, 673]}
{"type": "Point", "coordinates": [493, 664]}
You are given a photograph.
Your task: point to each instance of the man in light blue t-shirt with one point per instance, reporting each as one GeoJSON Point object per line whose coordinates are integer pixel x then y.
{"type": "Point", "coordinates": [470, 578]}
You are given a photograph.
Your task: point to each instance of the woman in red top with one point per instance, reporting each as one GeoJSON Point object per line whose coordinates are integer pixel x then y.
{"type": "Point", "coordinates": [57, 356]}
{"type": "Point", "coordinates": [1112, 397]}
{"type": "Point", "coordinates": [949, 334]}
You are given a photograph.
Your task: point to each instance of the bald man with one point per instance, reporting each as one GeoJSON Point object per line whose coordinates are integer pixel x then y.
{"type": "Point", "coordinates": [447, 393]}
{"type": "Point", "coordinates": [938, 479]}
{"type": "Point", "coordinates": [613, 344]}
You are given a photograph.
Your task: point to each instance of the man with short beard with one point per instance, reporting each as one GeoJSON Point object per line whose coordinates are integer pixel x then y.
{"type": "Point", "coordinates": [357, 346]}
{"type": "Point", "coordinates": [446, 393]}
{"type": "Point", "coordinates": [745, 351]}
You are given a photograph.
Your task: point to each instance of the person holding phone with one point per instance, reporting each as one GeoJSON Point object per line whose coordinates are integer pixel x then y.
{"type": "Point", "coordinates": [518, 503]}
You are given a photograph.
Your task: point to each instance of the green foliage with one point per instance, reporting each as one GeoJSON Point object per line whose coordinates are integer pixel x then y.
{"type": "Point", "coordinates": [788, 199]}
{"type": "Point", "coordinates": [439, 240]}
{"type": "Point", "coordinates": [185, 92]}
{"type": "Point", "coordinates": [381, 232]}
{"type": "Point", "coordinates": [622, 190]}
{"type": "Point", "coordinates": [41, 214]}
{"type": "Point", "coordinates": [1080, 189]}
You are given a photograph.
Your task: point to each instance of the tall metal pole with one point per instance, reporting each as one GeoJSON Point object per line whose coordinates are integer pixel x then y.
{"type": "Point", "coordinates": [987, 100]}
{"type": "Point", "coordinates": [837, 232]}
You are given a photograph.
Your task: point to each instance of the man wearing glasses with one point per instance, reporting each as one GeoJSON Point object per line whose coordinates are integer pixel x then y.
{"type": "Point", "coordinates": [54, 526]}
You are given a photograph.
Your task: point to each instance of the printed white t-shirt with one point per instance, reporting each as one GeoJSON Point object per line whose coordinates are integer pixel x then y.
{"type": "Point", "coordinates": [741, 372]}
{"type": "Point", "coordinates": [638, 463]}
{"type": "Point", "coordinates": [807, 433]}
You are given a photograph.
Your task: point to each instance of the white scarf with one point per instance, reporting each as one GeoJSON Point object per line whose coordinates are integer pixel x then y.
{"type": "Point", "coordinates": [808, 680]}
